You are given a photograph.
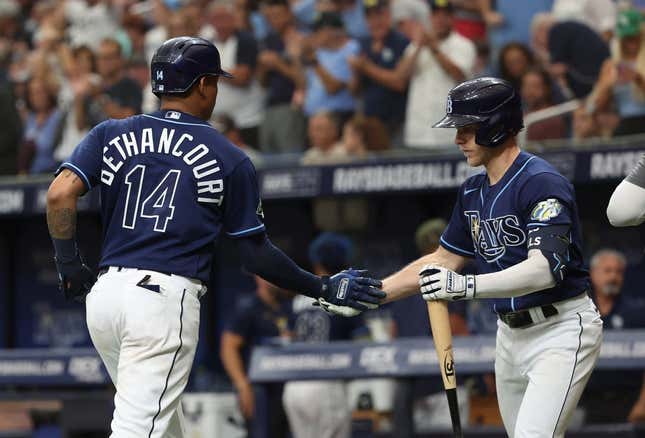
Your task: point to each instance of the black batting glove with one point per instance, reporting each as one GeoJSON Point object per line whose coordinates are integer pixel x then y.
{"type": "Point", "coordinates": [75, 278]}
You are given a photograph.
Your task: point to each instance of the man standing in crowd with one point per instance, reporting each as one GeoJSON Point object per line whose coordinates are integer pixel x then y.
{"type": "Point", "coordinates": [121, 96]}
{"type": "Point", "coordinates": [260, 319]}
{"type": "Point", "coordinates": [446, 58]}
{"type": "Point", "coordinates": [572, 51]}
{"type": "Point", "coordinates": [381, 71]}
{"type": "Point", "coordinates": [279, 69]}
{"type": "Point", "coordinates": [328, 73]}
{"type": "Point", "coordinates": [241, 96]}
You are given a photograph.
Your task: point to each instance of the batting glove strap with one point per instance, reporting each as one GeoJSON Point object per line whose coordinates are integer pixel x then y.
{"type": "Point", "coordinates": [438, 283]}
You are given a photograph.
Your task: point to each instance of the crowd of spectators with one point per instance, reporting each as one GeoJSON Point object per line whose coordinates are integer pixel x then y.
{"type": "Point", "coordinates": [304, 69]}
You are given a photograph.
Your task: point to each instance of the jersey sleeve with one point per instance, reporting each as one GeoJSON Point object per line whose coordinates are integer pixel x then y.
{"type": "Point", "coordinates": [456, 238]}
{"type": "Point", "coordinates": [86, 159]}
{"type": "Point", "coordinates": [546, 199]}
{"type": "Point", "coordinates": [242, 206]}
{"type": "Point", "coordinates": [637, 175]}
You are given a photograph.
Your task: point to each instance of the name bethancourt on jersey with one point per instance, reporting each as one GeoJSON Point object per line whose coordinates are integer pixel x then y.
{"type": "Point", "coordinates": [128, 145]}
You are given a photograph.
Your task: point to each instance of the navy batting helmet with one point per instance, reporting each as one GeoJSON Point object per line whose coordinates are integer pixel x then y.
{"type": "Point", "coordinates": [491, 103]}
{"type": "Point", "coordinates": [181, 61]}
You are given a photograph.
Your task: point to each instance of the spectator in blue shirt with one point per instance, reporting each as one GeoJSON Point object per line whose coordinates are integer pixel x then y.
{"type": "Point", "coordinates": [279, 70]}
{"type": "Point", "coordinates": [351, 12]}
{"type": "Point", "coordinates": [382, 73]}
{"type": "Point", "coordinates": [328, 72]}
{"type": "Point", "coordinates": [42, 128]}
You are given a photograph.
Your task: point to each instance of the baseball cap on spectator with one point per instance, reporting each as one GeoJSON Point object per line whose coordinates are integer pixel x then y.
{"type": "Point", "coordinates": [445, 5]}
{"type": "Point", "coordinates": [328, 19]}
{"type": "Point", "coordinates": [375, 5]}
{"type": "Point", "coordinates": [417, 10]}
{"type": "Point", "coordinates": [629, 23]}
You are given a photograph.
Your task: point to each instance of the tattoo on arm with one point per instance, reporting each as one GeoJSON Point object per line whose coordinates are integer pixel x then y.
{"type": "Point", "coordinates": [61, 222]}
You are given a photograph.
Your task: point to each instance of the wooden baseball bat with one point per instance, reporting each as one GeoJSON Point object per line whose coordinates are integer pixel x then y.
{"type": "Point", "coordinates": [442, 337]}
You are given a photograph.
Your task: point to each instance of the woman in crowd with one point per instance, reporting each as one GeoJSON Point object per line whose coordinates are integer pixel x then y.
{"type": "Point", "coordinates": [42, 126]}
{"type": "Point", "coordinates": [536, 95]}
{"type": "Point", "coordinates": [622, 77]}
{"type": "Point", "coordinates": [515, 59]}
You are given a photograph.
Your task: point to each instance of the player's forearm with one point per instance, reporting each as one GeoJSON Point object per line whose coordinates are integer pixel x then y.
{"type": "Point", "coordinates": [627, 205]}
{"type": "Point", "coordinates": [531, 275]}
{"type": "Point", "coordinates": [262, 258]}
{"type": "Point", "coordinates": [61, 208]}
{"type": "Point", "coordinates": [406, 282]}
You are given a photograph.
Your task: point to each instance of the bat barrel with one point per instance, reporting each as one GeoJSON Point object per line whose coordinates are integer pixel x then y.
{"type": "Point", "coordinates": [453, 405]}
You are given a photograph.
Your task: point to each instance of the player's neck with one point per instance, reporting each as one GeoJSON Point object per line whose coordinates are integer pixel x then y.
{"type": "Point", "coordinates": [178, 105]}
{"type": "Point", "coordinates": [500, 162]}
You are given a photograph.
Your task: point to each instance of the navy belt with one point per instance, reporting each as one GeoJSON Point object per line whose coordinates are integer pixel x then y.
{"type": "Point", "coordinates": [523, 318]}
{"type": "Point", "coordinates": [104, 270]}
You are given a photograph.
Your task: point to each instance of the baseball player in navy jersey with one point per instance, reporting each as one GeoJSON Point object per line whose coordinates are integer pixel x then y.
{"type": "Point", "coordinates": [170, 185]}
{"type": "Point", "coordinates": [518, 220]}
{"type": "Point", "coordinates": [627, 204]}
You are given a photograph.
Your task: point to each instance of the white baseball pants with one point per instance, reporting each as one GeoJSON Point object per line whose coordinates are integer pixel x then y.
{"type": "Point", "coordinates": [541, 370]}
{"type": "Point", "coordinates": [317, 409]}
{"type": "Point", "coordinates": [145, 326]}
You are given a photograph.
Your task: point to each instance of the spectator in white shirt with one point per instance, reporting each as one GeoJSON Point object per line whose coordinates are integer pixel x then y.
{"type": "Point", "coordinates": [444, 59]}
{"type": "Point", "coordinates": [241, 97]}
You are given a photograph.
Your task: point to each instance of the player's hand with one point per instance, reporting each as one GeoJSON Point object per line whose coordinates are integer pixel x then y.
{"type": "Point", "coordinates": [438, 283]}
{"type": "Point", "coordinates": [75, 278]}
{"type": "Point", "coordinates": [349, 292]}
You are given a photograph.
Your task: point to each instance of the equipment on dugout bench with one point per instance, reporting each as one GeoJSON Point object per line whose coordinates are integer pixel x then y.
{"type": "Point", "coordinates": [492, 103]}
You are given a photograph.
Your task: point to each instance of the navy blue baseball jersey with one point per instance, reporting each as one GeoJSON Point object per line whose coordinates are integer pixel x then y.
{"type": "Point", "coordinates": [170, 185]}
{"type": "Point", "coordinates": [492, 225]}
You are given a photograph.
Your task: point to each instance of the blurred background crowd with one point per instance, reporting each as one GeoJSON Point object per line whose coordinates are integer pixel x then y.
{"type": "Point", "coordinates": [329, 80]}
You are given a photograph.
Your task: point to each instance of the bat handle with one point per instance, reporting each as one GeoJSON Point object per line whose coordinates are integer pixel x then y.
{"type": "Point", "coordinates": [453, 405]}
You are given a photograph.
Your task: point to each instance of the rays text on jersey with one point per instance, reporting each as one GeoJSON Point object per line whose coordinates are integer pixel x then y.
{"type": "Point", "coordinates": [492, 236]}
{"type": "Point", "coordinates": [206, 170]}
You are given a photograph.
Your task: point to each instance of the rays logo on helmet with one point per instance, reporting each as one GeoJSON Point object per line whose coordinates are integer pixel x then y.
{"type": "Point", "coordinates": [546, 210]}
{"type": "Point", "coordinates": [159, 75]}
{"type": "Point", "coordinates": [448, 105]}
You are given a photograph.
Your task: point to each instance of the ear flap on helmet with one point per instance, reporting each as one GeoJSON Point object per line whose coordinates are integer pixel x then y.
{"type": "Point", "coordinates": [493, 132]}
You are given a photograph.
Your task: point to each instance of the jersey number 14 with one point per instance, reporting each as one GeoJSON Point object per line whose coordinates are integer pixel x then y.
{"type": "Point", "coordinates": [157, 205]}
